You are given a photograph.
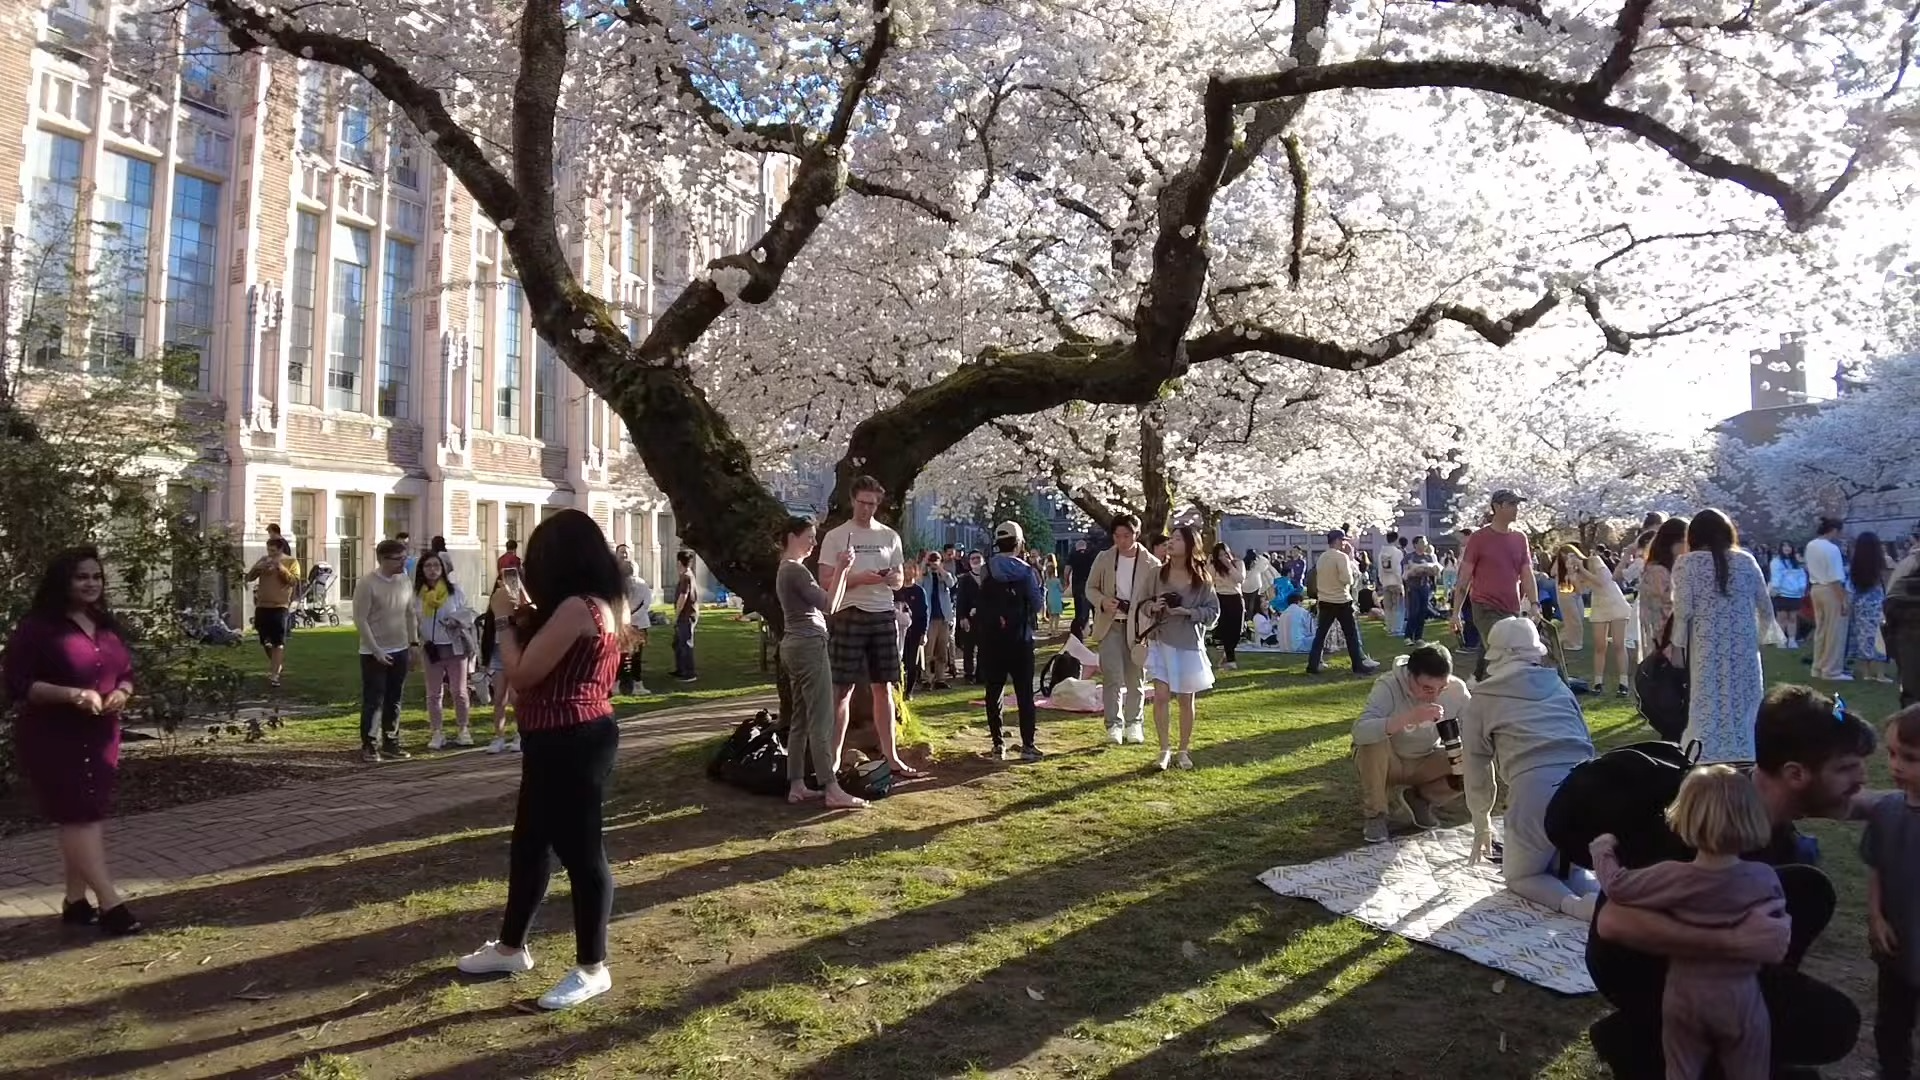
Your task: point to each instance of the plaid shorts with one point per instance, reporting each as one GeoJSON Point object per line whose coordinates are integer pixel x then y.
{"type": "Point", "coordinates": [864, 647]}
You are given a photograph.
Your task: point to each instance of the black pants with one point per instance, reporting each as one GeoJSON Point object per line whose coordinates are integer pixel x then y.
{"type": "Point", "coordinates": [1893, 1021]}
{"type": "Point", "coordinates": [1903, 646]}
{"type": "Point", "coordinates": [1328, 614]}
{"type": "Point", "coordinates": [563, 781]}
{"type": "Point", "coordinates": [683, 647]}
{"type": "Point", "coordinates": [910, 658]}
{"type": "Point", "coordinates": [999, 662]}
{"type": "Point", "coordinates": [1082, 615]}
{"type": "Point", "coordinates": [969, 648]}
{"type": "Point", "coordinates": [1813, 1023]}
{"type": "Point", "coordinates": [1233, 623]}
{"type": "Point", "coordinates": [380, 688]}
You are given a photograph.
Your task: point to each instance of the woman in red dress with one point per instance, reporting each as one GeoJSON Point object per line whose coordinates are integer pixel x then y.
{"type": "Point", "coordinates": [562, 651]}
{"type": "Point", "coordinates": [69, 675]}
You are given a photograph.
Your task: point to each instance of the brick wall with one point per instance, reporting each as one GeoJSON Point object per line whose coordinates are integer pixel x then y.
{"type": "Point", "coordinates": [16, 74]}
{"type": "Point", "coordinates": [269, 501]}
{"type": "Point", "coordinates": [462, 516]}
{"type": "Point", "coordinates": [272, 240]}
{"type": "Point", "coordinates": [504, 457]}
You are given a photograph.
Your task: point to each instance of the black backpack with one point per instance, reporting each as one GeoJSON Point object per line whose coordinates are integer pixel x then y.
{"type": "Point", "coordinates": [1002, 607]}
{"type": "Point", "coordinates": [1661, 688]}
{"type": "Point", "coordinates": [1060, 667]}
{"type": "Point", "coordinates": [753, 758]}
{"type": "Point", "coordinates": [1625, 792]}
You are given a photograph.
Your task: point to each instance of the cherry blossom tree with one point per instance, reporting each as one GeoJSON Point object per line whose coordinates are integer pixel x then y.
{"type": "Point", "coordinates": [1863, 444]}
{"type": "Point", "coordinates": [1063, 219]}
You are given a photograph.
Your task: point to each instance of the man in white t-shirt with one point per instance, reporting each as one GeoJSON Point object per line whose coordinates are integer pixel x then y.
{"type": "Point", "coordinates": [863, 637]}
{"type": "Point", "coordinates": [1393, 583]}
{"type": "Point", "coordinates": [1827, 585]}
{"type": "Point", "coordinates": [1122, 580]}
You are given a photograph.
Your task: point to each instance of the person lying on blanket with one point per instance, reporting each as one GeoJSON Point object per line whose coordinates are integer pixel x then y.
{"type": "Point", "coordinates": [1525, 727]}
{"type": "Point", "coordinates": [1396, 740]}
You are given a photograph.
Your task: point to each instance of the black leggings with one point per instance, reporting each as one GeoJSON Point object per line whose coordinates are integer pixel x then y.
{"type": "Point", "coordinates": [563, 781]}
{"type": "Point", "coordinates": [1813, 1023]}
{"type": "Point", "coordinates": [1233, 622]}
{"type": "Point", "coordinates": [910, 658]}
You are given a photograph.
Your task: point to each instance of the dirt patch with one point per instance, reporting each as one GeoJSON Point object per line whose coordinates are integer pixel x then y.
{"type": "Point", "coordinates": [156, 777]}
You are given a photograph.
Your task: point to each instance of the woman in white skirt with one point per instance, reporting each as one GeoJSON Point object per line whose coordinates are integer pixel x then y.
{"type": "Point", "coordinates": [1608, 621]}
{"type": "Point", "coordinates": [1176, 639]}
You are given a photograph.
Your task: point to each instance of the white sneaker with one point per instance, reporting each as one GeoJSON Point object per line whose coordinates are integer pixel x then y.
{"type": "Point", "coordinates": [437, 741]}
{"type": "Point", "coordinates": [487, 960]}
{"type": "Point", "coordinates": [578, 986]}
{"type": "Point", "coordinates": [514, 746]}
{"type": "Point", "coordinates": [463, 738]}
{"type": "Point", "coordinates": [1114, 733]}
{"type": "Point", "coordinates": [640, 690]}
{"type": "Point", "coordinates": [1136, 733]}
{"type": "Point", "coordinates": [1837, 677]}
{"type": "Point", "coordinates": [496, 746]}
{"type": "Point", "coordinates": [1166, 760]}
{"type": "Point", "coordinates": [1183, 761]}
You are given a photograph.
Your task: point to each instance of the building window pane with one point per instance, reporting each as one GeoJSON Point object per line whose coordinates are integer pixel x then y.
{"type": "Point", "coordinates": [479, 336]}
{"type": "Point", "coordinates": [191, 273]}
{"type": "Point", "coordinates": [547, 422]}
{"type": "Point", "coordinates": [300, 320]}
{"type": "Point", "coordinates": [301, 524]}
{"type": "Point", "coordinates": [399, 518]}
{"type": "Point", "coordinates": [396, 329]}
{"type": "Point", "coordinates": [313, 106]}
{"type": "Point", "coordinates": [508, 395]}
{"type": "Point", "coordinates": [356, 126]}
{"type": "Point", "coordinates": [123, 232]}
{"type": "Point", "coordinates": [403, 159]}
{"type": "Point", "coordinates": [53, 257]}
{"type": "Point", "coordinates": [349, 528]}
{"type": "Point", "coordinates": [346, 342]}
{"type": "Point", "coordinates": [204, 58]}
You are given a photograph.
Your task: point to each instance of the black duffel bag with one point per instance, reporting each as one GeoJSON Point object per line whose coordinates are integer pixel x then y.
{"type": "Point", "coordinates": [1661, 689]}
{"type": "Point", "coordinates": [753, 758]}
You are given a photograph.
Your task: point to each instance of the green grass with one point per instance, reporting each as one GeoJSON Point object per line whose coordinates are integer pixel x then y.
{"type": "Point", "coordinates": [1082, 917]}
{"type": "Point", "coordinates": [319, 696]}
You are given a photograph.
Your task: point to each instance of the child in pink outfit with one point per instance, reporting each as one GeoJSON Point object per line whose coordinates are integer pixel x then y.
{"type": "Point", "coordinates": [1712, 1009]}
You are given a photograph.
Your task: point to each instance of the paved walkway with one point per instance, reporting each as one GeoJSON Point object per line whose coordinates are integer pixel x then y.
{"type": "Point", "coordinates": [152, 851]}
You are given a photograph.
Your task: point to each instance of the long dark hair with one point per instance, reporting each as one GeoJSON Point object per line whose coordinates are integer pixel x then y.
{"type": "Point", "coordinates": [52, 599]}
{"type": "Point", "coordinates": [1667, 537]}
{"type": "Point", "coordinates": [568, 556]}
{"type": "Point", "coordinates": [1222, 559]}
{"type": "Point", "coordinates": [1869, 567]}
{"type": "Point", "coordinates": [1196, 569]}
{"type": "Point", "coordinates": [1713, 531]}
{"type": "Point", "coordinates": [420, 581]}
{"type": "Point", "coordinates": [1788, 554]}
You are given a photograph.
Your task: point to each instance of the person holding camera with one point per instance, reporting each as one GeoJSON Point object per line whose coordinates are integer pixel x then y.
{"type": "Point", "coordinates": [1397, 741]}
{"type": "Point", "coordinates": [1123, 578]}
{"type": "Point", "coordinates": [1525, 727]}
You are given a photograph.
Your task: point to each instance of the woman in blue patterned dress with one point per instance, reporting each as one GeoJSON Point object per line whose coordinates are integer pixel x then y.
{"type": "Point", "coordinates": [1867, 587]}
{"type": "Point", "coordinates": [1720, 603]}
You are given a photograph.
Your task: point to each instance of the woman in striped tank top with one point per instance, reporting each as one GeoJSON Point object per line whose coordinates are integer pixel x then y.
{"type": "Point", "coordinates": [562, 655]}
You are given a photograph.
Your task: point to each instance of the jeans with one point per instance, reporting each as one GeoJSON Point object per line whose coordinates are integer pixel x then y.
{"type": "Point", "coordinates": [563, 782]}
{"type": "Point", "coordinates": [1419, 605]}
{"type": "Point", "coordinates": [447, 673]}
{"type": "Point", "coordinates": [1813, 1023]}
{"type": "Point", "coordinates": [1329, 613]}
{"type": "Point", "coordinates": [810, 728]}
{"type": "Point", "coordinates": [1393, 605]}
{"type": "Point", "coordinates": [1000, 661]}
{"type": "Point", "coordinates": [380, 688]}
{"type": "Point", "coordinates": [1122, 679]}
{"type": "Point", "coordinates": [683, 647]}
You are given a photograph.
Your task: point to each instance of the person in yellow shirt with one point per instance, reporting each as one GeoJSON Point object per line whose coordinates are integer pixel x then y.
{"type": "Point", "coordinates": [276, 579]}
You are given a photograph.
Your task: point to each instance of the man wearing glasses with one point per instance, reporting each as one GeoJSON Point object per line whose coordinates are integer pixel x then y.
{"type": "Point", "coordinates": [384, 615]}
{"type": "Point", "coordinates": [864, 639]}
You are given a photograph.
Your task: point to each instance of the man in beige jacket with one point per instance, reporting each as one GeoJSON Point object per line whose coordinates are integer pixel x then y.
{"type": "Point", "coordinates": [1123, 579]}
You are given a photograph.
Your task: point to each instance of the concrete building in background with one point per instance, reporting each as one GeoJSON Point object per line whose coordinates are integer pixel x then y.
{"type": "Point", "coordinates": [325, 289]}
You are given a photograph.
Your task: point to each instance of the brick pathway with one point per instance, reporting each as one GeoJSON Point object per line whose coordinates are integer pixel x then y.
{"type": "Point", "coordinates": [152, 851]}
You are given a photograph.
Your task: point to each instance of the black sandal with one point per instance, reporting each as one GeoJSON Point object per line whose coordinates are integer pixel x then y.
{"type": "Point", "coordinates": [78, 913]}
{"type": "Point", "coordinates": [118, 921]}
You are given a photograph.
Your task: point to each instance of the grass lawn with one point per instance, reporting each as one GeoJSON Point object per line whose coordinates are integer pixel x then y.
{"type": "Point", "coordinates": [1080, 917]}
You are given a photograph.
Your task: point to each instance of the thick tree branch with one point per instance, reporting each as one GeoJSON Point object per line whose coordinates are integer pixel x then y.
{"type": "Point", "coordinates": [876, 190]}
{"type": "Point", "coordinates": [1626, 31]}
{"type": "Point", "coordinates": [1297, 168]}
{"type": "Point", "coordinates": [1576, 101]}
{"type": "Point", "coordinates": [1496, 331]}
{"type": "Point", "coordinates": [1271, 118]}
{"type": "Point", "coordinates": [1061, 322]}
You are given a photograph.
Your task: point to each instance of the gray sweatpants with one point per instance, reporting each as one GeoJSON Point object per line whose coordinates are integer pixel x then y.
{"type": "Point", "coordinates": [810, 729]}
{"type": "Point", "coordinates": [1531, 859]}
{"type": "Point", "coordinates": [1122, 679]}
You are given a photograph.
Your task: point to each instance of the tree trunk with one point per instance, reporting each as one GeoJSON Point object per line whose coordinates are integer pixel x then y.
{"type": "Point", "coordinates": [1153, 471]}
{"type": "Point", "coordinates": [1211, 519]}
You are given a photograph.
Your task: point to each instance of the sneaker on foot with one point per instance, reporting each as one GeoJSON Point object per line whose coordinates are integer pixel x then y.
{"type": "Point", "coordinates": [392, 752]}
{"type": "Point", "coordinates": [1166, 760]}
{"type": "Point", "coordinates": [626, 689]}
{"type": "Point", "coordinates": [1031, 753]}
{"type": "Point", "coordinates": [488, 960]}
{"type": "Point", "coordinates": [1367, 667]}
{"type": "Point", "coordinates": [370, 755]}
{"type": "Point", "coordinates": [640, 690]}
{"type": "Point", "coordinates": [437, 741]}
{"type": "Point", "coordinates": [687, 678]}
{"type": "Point", "coordinates": [1183, 761]}
{"type": "Point", "coordinates": [999, 752]}
{"type": "Point", "coordinates": [1374, 830]}
{"type": "Point", "coordinates": [1623, 692]}
{"type": "Point", "coordinates": [579, 985]}
{"type": "Point", "coordinates": [1116, 735]}
{"type": "Point", "coordinates": [496, 746]}
{"type": "Point", "coordinates": [1136, 733]}
{"type": "Point", "coordinates": [1421, 811]}
{"type": "Point", "coordinates": [1840, 676]}
{"type": "Point", "coordinates": [513, 747]}
{"type": "Point", "coordinates": [463, 738]}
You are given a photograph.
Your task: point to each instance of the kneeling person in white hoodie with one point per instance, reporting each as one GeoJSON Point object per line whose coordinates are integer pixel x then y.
{"type": "Point", "coordinates": [1396, 741]}
{"type": "Point", "coordinates": [1527, 727]}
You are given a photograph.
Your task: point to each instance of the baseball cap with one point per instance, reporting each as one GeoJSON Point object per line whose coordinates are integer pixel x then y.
{"type": "Point", "coordinates": [1334, 536]}
{"type": "Point", "coordinates": [1010, 530]}
{"type": "Point", "coordinates": [1506, 495]}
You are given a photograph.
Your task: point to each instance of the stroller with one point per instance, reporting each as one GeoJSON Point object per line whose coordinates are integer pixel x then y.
{"type": "Point", "coordinates": [312, 607]}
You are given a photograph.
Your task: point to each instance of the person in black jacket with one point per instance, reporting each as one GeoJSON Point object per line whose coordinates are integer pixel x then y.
{"type": "Point", "coordinates": [966, 597]}
{"type": "Point", "coordinates": [911, 597]}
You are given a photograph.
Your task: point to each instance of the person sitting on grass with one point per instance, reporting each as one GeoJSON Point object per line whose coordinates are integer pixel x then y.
{"type": "Point", "coordinates": [1396, 743]}
{"type": "Point", "coordinates": [1811, 762]}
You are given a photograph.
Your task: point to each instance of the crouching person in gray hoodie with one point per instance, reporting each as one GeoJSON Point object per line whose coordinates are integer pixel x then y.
{"type": "Point", "coordinates": [1525, 727]}
{"type": "Point", "coordinates": [1396, 743]}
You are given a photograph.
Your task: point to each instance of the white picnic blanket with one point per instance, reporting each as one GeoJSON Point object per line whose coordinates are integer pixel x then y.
{"type": "Point", "coordinates": [1422, 887]}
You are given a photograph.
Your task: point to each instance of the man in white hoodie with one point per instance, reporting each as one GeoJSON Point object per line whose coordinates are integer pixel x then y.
{"type": "Point", "coordinates": [1396, 740]}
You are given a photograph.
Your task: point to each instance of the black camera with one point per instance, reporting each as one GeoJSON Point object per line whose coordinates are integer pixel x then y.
{"type": "Point", "coordinates": [1170, 599]}
{"type": "Point", "coordinates": [1122, 606]}
{"type": "Point", "coordinates": [1450, 741]}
